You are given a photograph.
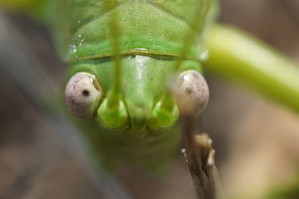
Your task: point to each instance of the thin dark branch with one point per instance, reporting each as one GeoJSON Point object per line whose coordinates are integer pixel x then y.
{"type": "Point", "coordinates": [200, 159]}
{"type": "Point", "coordinates": [200, 155]}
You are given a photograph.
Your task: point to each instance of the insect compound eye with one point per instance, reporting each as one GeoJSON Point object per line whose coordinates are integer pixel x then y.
{"type": "Point", "coordinates": [82, 95]}
{"type": "Point", "coordinates": [194, 87]}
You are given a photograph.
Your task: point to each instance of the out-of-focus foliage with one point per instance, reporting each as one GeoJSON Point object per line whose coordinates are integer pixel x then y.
{"type": "Point", "coordinates": [35, 8]}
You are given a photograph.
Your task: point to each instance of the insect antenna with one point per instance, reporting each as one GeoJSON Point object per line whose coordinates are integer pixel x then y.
{"type": "Point", "coordinates": [196, 24]}
{"type": "Point", "coordinates": [114, 29]}
{"type": "Point", "coordinates": [113, 107]}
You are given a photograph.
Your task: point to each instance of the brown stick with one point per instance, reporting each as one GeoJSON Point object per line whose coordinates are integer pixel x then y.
{"type": "Point", "coordinates": [200, 159]}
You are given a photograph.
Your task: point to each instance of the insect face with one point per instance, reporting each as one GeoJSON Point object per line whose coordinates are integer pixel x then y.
{"type": "Point", "coordinates": [145, 102]}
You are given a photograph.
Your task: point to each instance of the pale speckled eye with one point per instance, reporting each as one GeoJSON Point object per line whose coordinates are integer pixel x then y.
{"type": "Point", "coordinates": [192, 84]}
{"type": "Point", "coordinates": [82, 95]}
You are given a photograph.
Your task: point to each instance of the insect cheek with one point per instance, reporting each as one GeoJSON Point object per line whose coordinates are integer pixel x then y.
{"type": "Point", "coordinates": [82, 95]}
{"type": "Point", "coordinates": [195, 90]}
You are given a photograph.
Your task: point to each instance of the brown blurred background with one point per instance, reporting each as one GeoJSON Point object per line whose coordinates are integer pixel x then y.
{"type": "Point", "coordinates": [42, 155]}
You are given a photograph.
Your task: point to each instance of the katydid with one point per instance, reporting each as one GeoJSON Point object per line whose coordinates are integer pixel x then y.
{"type": "Point", "coordinates": [124, 87]}
{"type": "Point", "coordinates": [121, 54]}
{"type": "Point", "coordinates": [129, 49]}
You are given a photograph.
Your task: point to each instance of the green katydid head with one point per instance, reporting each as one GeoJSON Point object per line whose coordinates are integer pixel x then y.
{"type": "Point", "coordinates": [122, 62]}
{"type": "Point", "coordinates": [144, 100]}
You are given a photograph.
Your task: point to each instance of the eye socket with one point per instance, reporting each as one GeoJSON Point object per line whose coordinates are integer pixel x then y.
{"type": "Point", "coordinates": [193, 85]}
{"type": "Point", "coordinates": [82, 94]}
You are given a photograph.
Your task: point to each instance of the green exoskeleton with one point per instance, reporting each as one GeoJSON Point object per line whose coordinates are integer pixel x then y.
{"type": "Point", "coordinates": [122, 55]}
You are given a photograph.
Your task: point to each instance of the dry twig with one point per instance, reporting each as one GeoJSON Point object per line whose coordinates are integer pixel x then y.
{"type": "Point", "coordinates": [198, 151]}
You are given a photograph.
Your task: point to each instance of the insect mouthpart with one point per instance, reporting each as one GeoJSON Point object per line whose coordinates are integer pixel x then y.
{"type": "Point", "coordinates": [140, 114]}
